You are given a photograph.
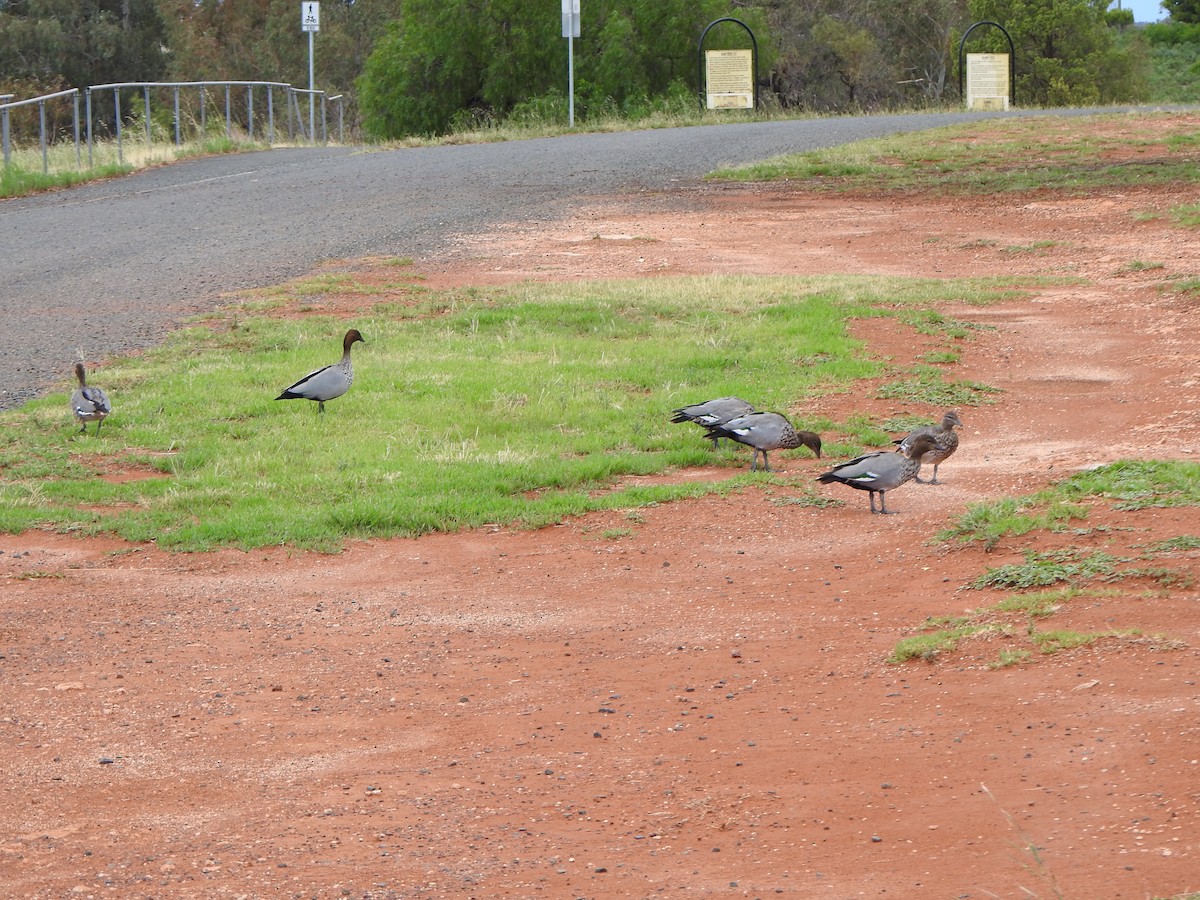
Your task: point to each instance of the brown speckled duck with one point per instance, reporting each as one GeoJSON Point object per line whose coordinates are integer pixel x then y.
{"type": "Point", "coordinates": [945, 443]}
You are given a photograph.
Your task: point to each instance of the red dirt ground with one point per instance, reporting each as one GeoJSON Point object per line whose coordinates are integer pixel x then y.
{"type": "Point", "coordinates": [702, 707]}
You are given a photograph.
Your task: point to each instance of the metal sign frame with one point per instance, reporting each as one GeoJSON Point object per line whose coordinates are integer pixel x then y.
{"type": "Point", "coordinates": [1012, 61]}
{"type": "Point", "coordinates": [701, 80]}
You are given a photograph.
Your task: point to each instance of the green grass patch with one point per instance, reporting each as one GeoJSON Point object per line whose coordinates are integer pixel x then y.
{"type": "Point", "coordinates": [1186, 215]}
{"type": "Point", "coordinates": [1015, 619]}
{"type": "Point", "coordinates": [1045, 569]}
{"type": "Point", "coordinates": [1044, 582]}
{"type": "Point", "coordinates": [928, 385]}
{"type": "Point", "coordinates": [998, 156]}
{"type": "Point", "coordinates": [1127, 484]}
{"type": "Point", "coordinates": [519, 405]}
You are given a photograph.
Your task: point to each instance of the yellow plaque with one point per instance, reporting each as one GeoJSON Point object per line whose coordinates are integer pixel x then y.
{"type": "Point", "coordinates": [729, 79]}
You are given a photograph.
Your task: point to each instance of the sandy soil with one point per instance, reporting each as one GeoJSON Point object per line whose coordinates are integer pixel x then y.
{"type": "Point", "coordinates": [703, 707]}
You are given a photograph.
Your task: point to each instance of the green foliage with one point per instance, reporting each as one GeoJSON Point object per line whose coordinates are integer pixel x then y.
{"type": "Point", "coordinates": [67, 43]}
{"type": "Point", "coordinates": [446, 56]}
{"type": "Point", "coordinates": [1066, 55]}
{"type": "Point", "coordinates": [1013, 619]}
{"type": "Point", "coordinates": [876, 54]}
{"type": "Point", "coordinates": [1172, 33]}
{"type": "Point", "coordinates": [1136, 484]}
{"type": "Point", "coordinates": [1185, 11]}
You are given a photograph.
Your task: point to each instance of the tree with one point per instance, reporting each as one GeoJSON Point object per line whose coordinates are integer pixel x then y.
{"type": "Point", "coordinates": [446, 56]}
{"type": "Point", "coordinates": [1065, 53]}
{"type": "Point", "coordinates": [1185, 11]}
{"type": "Point", "coordinates": [866, 54]}
{"type": "Point", "coordinates": [57, 43]}
{"type": "Point", "coordinates": [921, 34]}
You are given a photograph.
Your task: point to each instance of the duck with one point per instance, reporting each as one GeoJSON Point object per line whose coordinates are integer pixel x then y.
{"type": "Point", "coordinates": [881, 471]}
{"type": "Point", "coordinates": [765, 431]}
{"type": "Point", "coordinates": [945, 443]}
{"type": "Point", "coordinates": [328, 382]}
{"type": "Point", "coordinates": [89, 404]}
{"type": "Point", "coordinates": [712, 412]}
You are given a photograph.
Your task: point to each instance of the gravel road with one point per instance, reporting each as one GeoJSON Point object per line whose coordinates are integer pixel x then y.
{"type": "Point", "coordinates": [110, 267]}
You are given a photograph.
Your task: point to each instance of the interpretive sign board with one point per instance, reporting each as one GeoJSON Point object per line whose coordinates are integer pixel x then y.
{"type": "Point", "coordinates": [987, 81]}
{"type": "Point", "coordinates": [729, 79]}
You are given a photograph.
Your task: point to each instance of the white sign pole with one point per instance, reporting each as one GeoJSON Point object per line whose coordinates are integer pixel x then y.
{"type": "Point", "coordinates": [310, 21]}
{"type": "Point", "coordinates": [570, 30]}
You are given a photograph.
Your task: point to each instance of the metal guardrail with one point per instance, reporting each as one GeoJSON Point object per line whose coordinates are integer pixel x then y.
{"type": "Point", "coordinates": [6, 125]}
{"type": "Point", "coordinates": [295, 120]}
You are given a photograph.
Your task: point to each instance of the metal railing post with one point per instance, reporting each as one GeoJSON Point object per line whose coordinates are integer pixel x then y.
{"type": "Point", "coordinates": [75, 104]}
{"type": "Point", "coordinates": [149, 140]}
{"type": "Point", "coordinates": [42, 136]}
{"type": "Point", "coordinates": [117, 109]}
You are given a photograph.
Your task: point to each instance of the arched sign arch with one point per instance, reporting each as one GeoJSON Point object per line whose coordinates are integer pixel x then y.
{"type": "Point", "coordinates": [701, 78]}
{"type": "Point", "coordinates": [1012, 59]}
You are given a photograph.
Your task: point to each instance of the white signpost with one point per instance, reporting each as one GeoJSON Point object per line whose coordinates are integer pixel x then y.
{"type": "Point", "coordinates": [310, 21]}
{"type": "Point", "coordinates": [570, 30]}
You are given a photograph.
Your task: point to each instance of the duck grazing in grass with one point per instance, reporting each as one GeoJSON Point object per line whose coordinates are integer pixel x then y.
{"type": "Point", "coordinates": [713, 412]}
{"type": "Point", "coordinates": [765, 431]}
{"type": "Point", "coordinates": [89, 404]}
{"type": "Point", "coordinates": [329, 382]}
{"type": "Point", "coordinates": [881, 471]}
{"type": "Point", "coordinates": [945, 443]}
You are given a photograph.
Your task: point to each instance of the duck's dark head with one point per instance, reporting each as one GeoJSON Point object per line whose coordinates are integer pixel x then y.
{"type": "Point", "coordinates": [921, 445]}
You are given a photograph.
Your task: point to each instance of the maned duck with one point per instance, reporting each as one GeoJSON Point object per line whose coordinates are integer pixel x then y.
{"type": "Point", "coordinates": [713, 412]}
{"type": "Point", "coordinates": [90, 404]}
{"type": "Point", "coordinates": [329, 382]}
{"type": "Point", "coordinates": [881, 471]}
{"type": "Point", "coordinates": [945, 443]}
{"type": "Point", "coordinates": [764, 431]}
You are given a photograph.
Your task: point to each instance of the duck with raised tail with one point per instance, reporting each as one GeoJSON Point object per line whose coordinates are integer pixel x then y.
{"type": "Point", "coordinates": [89, 404]}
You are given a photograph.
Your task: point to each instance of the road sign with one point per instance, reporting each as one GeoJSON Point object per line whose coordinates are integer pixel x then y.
{"type": "Point", "coordinates": [570, 18]}
{"type": "Point", "coordinates": [310, 16]}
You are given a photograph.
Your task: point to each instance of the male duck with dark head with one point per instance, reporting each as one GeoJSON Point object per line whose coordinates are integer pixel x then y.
{"type": "Point", "coordinates": [881, 471]}
{"type": "Point", "coordinates": [329, 382]}
{"type": "Point", "coordinates": [763, 432]}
